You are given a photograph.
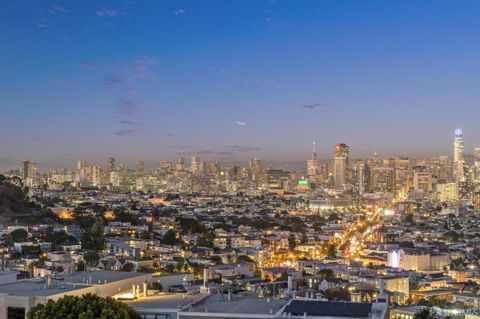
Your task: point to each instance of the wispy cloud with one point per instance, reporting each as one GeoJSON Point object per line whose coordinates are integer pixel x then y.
{"type": "Point", "coordinates": [242, 149]}
{"type": "Point", "coordinates": [112, 80]}
{"type": "Point", "coordinates": [315, 106]}
{"type": "Point", "coordinates": [126, 132]}
{"type": "Point", "coordinates": [141, 65]}
{"type": "Point", "coordinates": [89, 65]}
{"type": "Point", "coordinates": [58, 9]}
{"type": "Point", "coordinates": [240, 123]}
{"type": "Point", "coordinates": [128, 123]}
{"type": "Point", "coordinates": [179, 12]}
{"type": "Point", "coordinates": [107, 13]}
{"type": "Point", "coordinates": [212, 152]}
{"type": "Point", "coordinates": [125, 106]}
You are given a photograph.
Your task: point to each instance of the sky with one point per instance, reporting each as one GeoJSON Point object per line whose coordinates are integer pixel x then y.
{"type": "Point", "coordinates": [226, 79]}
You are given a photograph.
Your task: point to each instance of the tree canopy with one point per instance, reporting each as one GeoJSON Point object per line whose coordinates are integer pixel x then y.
{"type": "Point", "coordinates": [86, 307]}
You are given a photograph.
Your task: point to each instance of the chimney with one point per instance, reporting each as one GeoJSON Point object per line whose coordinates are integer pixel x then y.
{"type": "Point", "coordinates": [205, 277]}
{"type": "Point", "coordinates": [290, 283]}
{"type": "Point", "coordinates": [145, 288]}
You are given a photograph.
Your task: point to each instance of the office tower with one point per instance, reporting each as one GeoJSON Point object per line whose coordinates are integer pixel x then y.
{"type": "Point", "coordinates": [476, 155]}
{"type": "Point", "coordinates": [165, 166]}
{"type": "Point", "coordinates": [24, 170]}
{"type": "Point", "coordinates": [383, 179]}
{"type": "Point", "coordinates": [95, 175]}
{"type": "Point", "coordinates": [80, 165]}
{"type": "Point", "coordinates": [458, 156]}
{"type": "Point", "coordinates": [447, 192]}
{"type": "Point", "coordinates": [340, 164]}
{"type": "Point", "coordinates": [375, 160]}
{"type": "Point", "coordinates": [195, 164]}
{"type": "Point", "coordinates": [312, 164]}
{"type": "Point", "coordinates": [256, 168]}
{"type": "Point", "coordinates": [458, 152]}
{"type": "Point", "coordinates": [360, 178]}
{"type": "Point", "coordinates": [215, 168]}
{"type": "Point", "coordinates": [110, 164]}
{"type": "Point", "coordinates": [403, 174]}
{"type": "Point", "coordinates": [140, 166]}
{"type": "Point", "coordinates": [180, 166]}
{"type": "Point", "coordinates": [422, 179]}
{"type": "Point", "coordinates": [28, 170]}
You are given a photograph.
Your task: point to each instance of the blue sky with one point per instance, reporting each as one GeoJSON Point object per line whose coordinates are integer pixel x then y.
{"type": "Point", "coordinates": [143, 79]}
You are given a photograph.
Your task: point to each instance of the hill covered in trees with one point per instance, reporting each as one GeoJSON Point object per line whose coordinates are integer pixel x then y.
{"type": "Point", "coordinates": [16, 206]}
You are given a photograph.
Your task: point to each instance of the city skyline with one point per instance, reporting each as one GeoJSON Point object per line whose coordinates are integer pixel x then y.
{"type": "Point", "coordinates": [143, 80]}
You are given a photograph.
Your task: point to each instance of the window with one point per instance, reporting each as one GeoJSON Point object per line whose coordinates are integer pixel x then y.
{"type": "Point", "coordinates": [15, 313]}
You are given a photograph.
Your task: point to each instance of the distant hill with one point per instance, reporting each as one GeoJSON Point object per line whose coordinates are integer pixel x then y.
{"type": "Point", "coordinates": [15, 206]}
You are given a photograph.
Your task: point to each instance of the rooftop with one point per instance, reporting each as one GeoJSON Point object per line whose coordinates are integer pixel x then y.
{"type": "Point", "coordinates": [240, 305]}
{"type": "Point", "coordinates": [327, 308]}
{"type": "Point", "coordinates": [37, 288]}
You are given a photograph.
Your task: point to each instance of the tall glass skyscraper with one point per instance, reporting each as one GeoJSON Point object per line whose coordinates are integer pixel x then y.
{"type": "Point", "coordinates": [458, 153]}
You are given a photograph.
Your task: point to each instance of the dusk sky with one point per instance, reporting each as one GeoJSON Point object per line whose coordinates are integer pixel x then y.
{"type": "Point", "coordinates": [141, 80]}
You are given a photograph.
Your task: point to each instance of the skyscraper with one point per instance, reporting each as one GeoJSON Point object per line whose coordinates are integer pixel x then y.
{"type": "Point", "coordinates": [24, 170]}
{"type": "Point", "coordinates": [256, 168]}
{"type": "Point", "coordinates": [195, 164]}
{"type": "Point", "coordinates": [458, 155]}
{"type": "Point", "coordinates": [312, 164]}
{"type": "Point", "coordinates": [140, 166]}
{"type": "Point", "coordinates": [180, 166]}
{"type": "Point", "coordinates": [476, 155]}
{"type": "Point", "coordinates": [110, 164]}
{"type": "Point", "coordinates": [340, 164]}
{"type": "Point", "coordinates": [458, 152]}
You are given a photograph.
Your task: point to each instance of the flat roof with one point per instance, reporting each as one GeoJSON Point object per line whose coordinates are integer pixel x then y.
{"type": "Point", "coordinates": [165, 301]}
{"type": "Point", "coordinates": [37, 288]}
{"type": "Point", "coordinates": [100, 276]}
{"type": "Point", "coordinates": [329, 309]}
{"type": "Point", "coordinates": [240, 305]}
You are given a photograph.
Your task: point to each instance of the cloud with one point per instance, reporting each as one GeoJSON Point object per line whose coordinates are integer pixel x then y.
{"type": "Point", "coordinates": [111, 81]}
{"type": "Point", "coordinates": [242, 149]}
{"type": "Point", "coordinates": [212, 152]}
{"type": "Point", "coordinates": [179, 12]}
{"type": "Point", "coordinates": [126, 132]}
{"type": "Point", "coordinates": [268, 82]}
{"type": "Point", "coordinates": [128, 122]}
{"type": "Point", "coordinates": [127, 107]}
{"type": "Point", "coordinates": [141, 66]}
{"type": "Point", "coordinates": [58, 9]}
{"type": "Point", "coordinates": [315, 106]}
{"type": "Point", "coordinates": [89, 65]}
{"type": "Point", "coordinates": [240, 123]}
{"type": "Point", "coordinates": [107, 13]}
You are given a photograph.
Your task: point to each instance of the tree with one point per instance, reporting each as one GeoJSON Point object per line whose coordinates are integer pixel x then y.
{"type": "Point", "coordinates": [91, 257]}
{"type": "Point", "coordinates": [336, 294]}
{"type": "Point", "coordinates": [145, 234]}
{"type": "Point", "coordinates": [326, 273]}
{"type": "Point", "coordinates": [425, 314]}
{"type": "Point", "coordinates": [332, 251]}
{"type": "Point", "coordinates": [206, 240]}
{"type": "Point", "coordinates": [217, 260]}
{"type": "Point", "coordinates": [19, 235]}
{"type": "Point", "coordinates": [244, 259]}
{"type": "Point", "coordinates": [97, 228]}
{"type": "Point", "coordinates": [157, 286]}
{"type": "Point", "coordinates": [86, 307]}
{"type": "Point", "coordinates": [128, 267]}
{"type": "Point", "coordinates": [170, 238]}
{"type": "Point", "coordinates": [409, 218]}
